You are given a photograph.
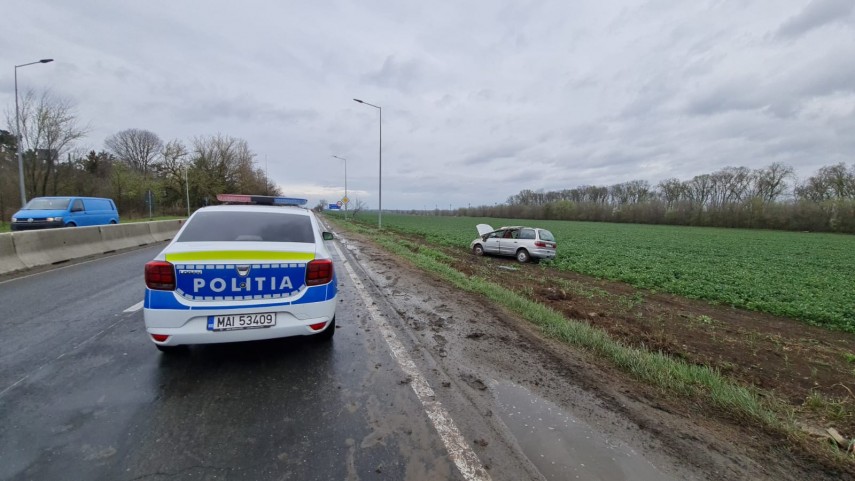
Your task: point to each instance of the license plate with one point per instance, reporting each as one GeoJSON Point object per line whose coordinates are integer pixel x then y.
{"type": "Point", "coordinates": [233, 322]}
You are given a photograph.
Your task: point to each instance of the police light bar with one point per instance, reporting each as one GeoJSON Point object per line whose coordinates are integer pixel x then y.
{"type": "Point", "coordinates": [260, 199]}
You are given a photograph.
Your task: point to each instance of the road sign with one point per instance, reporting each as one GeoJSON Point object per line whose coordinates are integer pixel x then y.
{"type": "Point", "coordinates": [345, 199]}
{"type": "Point", "coordinates": [338, 203]}
{"type": "Point", "coordinates": [334, 207]}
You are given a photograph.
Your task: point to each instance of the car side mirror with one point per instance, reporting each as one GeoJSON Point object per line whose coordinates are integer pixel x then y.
{"type": "Point", "coordinates": [327, 235]}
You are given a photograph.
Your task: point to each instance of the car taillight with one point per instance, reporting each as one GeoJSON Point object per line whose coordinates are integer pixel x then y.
{"type": "Point", "coordinates": [319, 271]}
{"type": "Point", "coordinates": [545, 244]}
{"type": "Point", "coordinates": [160, 275]}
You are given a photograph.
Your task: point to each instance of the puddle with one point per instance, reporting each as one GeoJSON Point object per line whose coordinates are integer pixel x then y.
{"type": "Point", "coordinates": [565, 448]}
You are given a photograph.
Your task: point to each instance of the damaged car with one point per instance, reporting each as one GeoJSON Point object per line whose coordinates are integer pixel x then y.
{"type": "Point", "coordinates": [527, 244]}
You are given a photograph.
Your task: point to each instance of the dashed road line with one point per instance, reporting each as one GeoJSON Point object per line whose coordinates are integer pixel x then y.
{"type": "Point", "coordinates": [135, 307]}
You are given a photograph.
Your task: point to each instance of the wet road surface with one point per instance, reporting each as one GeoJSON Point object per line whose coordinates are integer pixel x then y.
{"type": "Point", "coordinates": [85, 395]}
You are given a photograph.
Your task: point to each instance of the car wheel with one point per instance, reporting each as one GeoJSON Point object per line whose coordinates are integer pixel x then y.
{"type": "Point", "coordinates": [171, 350]}
{"type": "Point", "coordinates": [523, 256]}
{"type": "Point", "coordinates": [328, 333]}
{"type": "Point", "coordinates": [478, 250]}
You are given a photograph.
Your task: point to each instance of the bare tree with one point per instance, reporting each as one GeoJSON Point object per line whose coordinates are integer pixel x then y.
{"type": "Point", "coordinates": [171, 167]}
{"type": "Point", "coordinates": [771, 182]}
{"type": "Point", "coordinates": [49, 127]}
{"type": "Point", "coordinates": [138, 148]}
{"type": "Point", "coordinates": [223, 164]}
{"type": "Point", "coordinates": [358, 206]}
{"type": "Point", "coordinates": [672, 191]}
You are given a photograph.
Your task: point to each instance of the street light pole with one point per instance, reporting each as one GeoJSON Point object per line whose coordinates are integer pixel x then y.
{"type": "Point", "coordinates": [187, 189]}
{"type": "Point", "coordinates": [345, 185]}
{"type": "Point", "coordinates": [380, 156]}
{"type": "Point", "coordinates": [19, 138]}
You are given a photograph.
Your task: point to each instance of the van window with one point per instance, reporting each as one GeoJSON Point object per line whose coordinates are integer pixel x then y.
{"type": "Point", "coordinates": [527, 234]}
{"type": "Point", "coordinates": [545, 235]}
{"type": "Point", "coordinates": [97, 204]}
{"type": "Point", "coordinates": [248, 226]}
{"type": "Point", "coordinates": [77, 206]}
{"type": "Point", "coordinates": [44, 203]}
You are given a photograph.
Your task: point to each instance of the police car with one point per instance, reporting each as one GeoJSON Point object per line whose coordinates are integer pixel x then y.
{"type": "Point", "coordinates": [253, 269]}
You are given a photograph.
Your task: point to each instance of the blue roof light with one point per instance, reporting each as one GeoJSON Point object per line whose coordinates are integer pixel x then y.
{"type": "Point", "coordinates": [289, 201]}
{"type": "Point", "coordinates": [260, 200]}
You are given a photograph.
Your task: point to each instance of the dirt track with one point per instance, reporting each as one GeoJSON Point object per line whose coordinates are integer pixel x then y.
{"type": "Point", "coordinates": [478, 345]}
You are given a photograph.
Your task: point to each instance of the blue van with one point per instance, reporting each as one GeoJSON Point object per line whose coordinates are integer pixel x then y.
{"type": "Point", "coordinates": [46, 212]}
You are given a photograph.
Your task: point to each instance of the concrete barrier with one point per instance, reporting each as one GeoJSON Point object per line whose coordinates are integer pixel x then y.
{"type": "Point", "coordinates": [122, 236]}
{"type": "Point", "coordinates": [9, 261]}
{"type": "Point", "coordinates": [165, 229]}
{"type": "Point", "coordinates": [49, 246]}
{"type": "Point", "coordinates": [26, 249]}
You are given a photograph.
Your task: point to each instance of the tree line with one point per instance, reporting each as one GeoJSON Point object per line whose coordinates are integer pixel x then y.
{"type": "Point", "coordinates": [765, 198]}
{"type": "Point", "coordinates": [136, 168]}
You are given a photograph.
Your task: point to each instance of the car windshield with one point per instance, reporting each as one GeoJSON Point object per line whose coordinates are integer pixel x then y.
{"type": "Point", "coordinates": [545, 235]}
{"type": "Point", "coordinates": [44, 203]}
{"type": "Point", "coordinates": [248, 226]}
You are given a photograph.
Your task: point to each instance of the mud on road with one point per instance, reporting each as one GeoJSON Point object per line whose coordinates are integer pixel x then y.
{"type": "Point", "coordinates": [487, 353]}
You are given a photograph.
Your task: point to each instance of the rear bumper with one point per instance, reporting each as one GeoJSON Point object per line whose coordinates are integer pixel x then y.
{"type": "Point", "coordinates": [189, 325]}
{"type": "Point", "coordinates": [195, 330]}
{"type": "Point", "coordinates": [542, 253]}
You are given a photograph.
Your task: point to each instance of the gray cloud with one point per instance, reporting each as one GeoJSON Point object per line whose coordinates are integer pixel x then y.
{"type": "Point", "coordinates": [493, 154]}
{"type": "Point", "coordinates": [816, 14]}
{"type": "Point", "coordinates": [395, 74]}
{"type": "Point", "coordinates": [479, 100]}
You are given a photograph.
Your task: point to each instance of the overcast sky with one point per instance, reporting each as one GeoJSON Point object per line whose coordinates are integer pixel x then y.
{"type": "Point", "coordinates": [481, 99]}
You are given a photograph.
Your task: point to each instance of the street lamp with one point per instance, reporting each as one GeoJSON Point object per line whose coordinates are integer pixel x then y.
{"type": "Point", "coordinates": [187, 188]}
{"type": "Point", "coordinates": [346, 200]}
{"type": "Point", "coordinates": [19, 138]}
{"type": "Point", "coordinates": [380, 150]}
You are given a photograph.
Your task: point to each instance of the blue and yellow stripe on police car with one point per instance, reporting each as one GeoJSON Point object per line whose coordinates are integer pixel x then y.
{"type": "Point", "coordinates": [155, 299]}
{"type": "Point", "coordinates": [242, 255]}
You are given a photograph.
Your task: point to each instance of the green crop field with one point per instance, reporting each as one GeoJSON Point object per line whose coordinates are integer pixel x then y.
{"type": "Point", "coordinates": [801, 275]}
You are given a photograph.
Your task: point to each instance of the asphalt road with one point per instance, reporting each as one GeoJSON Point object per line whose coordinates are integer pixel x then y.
{"type": "Point", "coordinates": [85, 395]}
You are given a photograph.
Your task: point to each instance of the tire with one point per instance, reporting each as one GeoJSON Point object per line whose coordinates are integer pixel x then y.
{"type": "Point", "coordinates": [113, 222]}
{"type": "Point", "coordinates": [71, 224]}
{"type": "Point", "coordinates": [327, 334]}
{"type": "Point", "coordinates": [171, 350]}
{"type": "Point", "coordinates": [523, 256]}
{"type": "Point", "coordinates": [478, 250]}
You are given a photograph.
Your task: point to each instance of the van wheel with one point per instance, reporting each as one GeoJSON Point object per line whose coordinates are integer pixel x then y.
{"type": "Point", "coordinates": [478, 250]}
{"type": "Point", "coordinates": [71, 224]}
{"type": "Point", "coordinates": [113, 222]}
{"type": "Point", "coordinates": [523, 256]}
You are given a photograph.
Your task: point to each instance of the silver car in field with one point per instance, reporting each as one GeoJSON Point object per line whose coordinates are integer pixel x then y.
{"type": "Point", "coordinates": [524, 243]}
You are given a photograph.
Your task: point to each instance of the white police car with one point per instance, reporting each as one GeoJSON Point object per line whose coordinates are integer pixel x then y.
{"type": "Point", "coordinates": [240, 273]}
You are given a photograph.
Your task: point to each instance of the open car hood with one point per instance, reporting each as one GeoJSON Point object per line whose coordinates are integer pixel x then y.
{"type": "Point", "coordinates": [484, 229]}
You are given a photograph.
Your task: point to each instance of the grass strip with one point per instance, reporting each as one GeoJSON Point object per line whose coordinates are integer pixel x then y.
{"type": "Point", "coordinates": [653, 367]}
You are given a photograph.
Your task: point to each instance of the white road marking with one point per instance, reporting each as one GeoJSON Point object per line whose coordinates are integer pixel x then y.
{"type": "Point", "coordinates": [459, 451]}
{"type": "Point", "coordinates": [135, 307]}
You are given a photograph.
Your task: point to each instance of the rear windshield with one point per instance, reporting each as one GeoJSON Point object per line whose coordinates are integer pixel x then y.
{"type": "Point", "coordinates": [545, 235]}
{"type": "Point", "coordinates": [248, 226]}
{"type": "Point", "coordinates": [43, 203]}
